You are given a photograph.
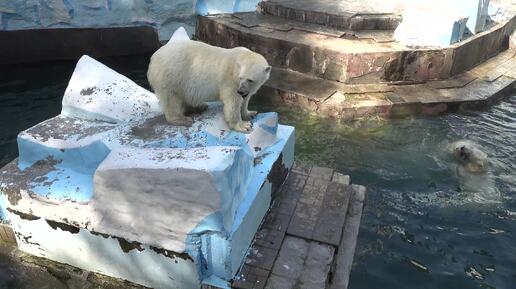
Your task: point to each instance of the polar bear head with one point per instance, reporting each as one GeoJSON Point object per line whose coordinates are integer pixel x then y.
{"type": "Point", "coordinates": [470, 156]}
{"type": "Point", "coordinates": [252, 71]}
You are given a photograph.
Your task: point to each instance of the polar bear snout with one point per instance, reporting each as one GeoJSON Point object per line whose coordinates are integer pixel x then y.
{"type": "Point", "coordinates": [244, 87]}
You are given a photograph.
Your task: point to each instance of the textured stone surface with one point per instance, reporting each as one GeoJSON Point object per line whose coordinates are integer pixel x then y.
{"type": "Point", "coordinates": [346, 56]}
{"type": "Point", "coordinates": [166, 16]}
{"type": "Point", "coordinates": [483, 85]}
{"type": "Point", "coordinates": [347, 14]}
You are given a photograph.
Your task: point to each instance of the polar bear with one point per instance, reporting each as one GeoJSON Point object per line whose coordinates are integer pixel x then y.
{"type": "Point", "coordinates": [470, 156]}
{"type": "Point", "coordinates": [185, 74]}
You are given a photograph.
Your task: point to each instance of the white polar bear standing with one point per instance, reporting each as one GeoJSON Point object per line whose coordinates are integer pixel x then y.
{"type": "Point", "coordinates": [185, 74]}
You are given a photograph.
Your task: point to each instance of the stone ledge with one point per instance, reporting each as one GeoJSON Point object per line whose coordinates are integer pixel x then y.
{"type": "Point", "coordinates": [356, 15]}
{"type": "Point", "coordinates": [482, 86]}
{"type": "Point", "coordinates": [349, 56]}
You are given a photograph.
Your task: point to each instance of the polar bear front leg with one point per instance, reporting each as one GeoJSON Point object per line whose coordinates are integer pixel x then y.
{"type": "Point", "coordinates": [232, 112]}
{"type": "Point", "coordinates": [246, 114]}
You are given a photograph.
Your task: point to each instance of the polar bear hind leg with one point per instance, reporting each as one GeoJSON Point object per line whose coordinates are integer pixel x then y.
{"type": "Point", "coordinates": [174, 108]}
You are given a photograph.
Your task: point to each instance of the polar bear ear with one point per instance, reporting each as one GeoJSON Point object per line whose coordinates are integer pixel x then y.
{"type": "Point", "coordinates": [268, 69]}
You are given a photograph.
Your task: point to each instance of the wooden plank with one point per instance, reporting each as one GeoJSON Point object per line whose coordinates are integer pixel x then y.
{"type": "Point", "coordinates": [269, 238]}
{"type": "Point", "coordinates": [318, 199]}
{"type": "Point", "coordinates": [332, 215]}
{"type": "Point", "coordinates": [301, 262]}
{"type": "Point", "coordinates": [307, 213]}
{"type": "Point", "coordinates": [344, 257]}
{"type": "Point", "coordinates": [301, 168]}
{"type": "Point", "coordinates": [261, 257]}
{"type": "Point", "coordinates": [276, 220]}
{"type": "Point", "coordinates": [251, 278]}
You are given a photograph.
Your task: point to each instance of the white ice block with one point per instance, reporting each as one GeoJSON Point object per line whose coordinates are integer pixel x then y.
{"type": "Point", "coordinates": [109, 186]}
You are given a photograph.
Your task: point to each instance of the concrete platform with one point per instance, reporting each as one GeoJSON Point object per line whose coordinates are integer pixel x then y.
{"type": "Point", "coordinates": [478, 88]}
{"type": "Point", "coordinates": [346, 14]}
{"type": "Point", "coordinates": [347, 56]}
{"type": "Point", "coordinates": [344, 72]}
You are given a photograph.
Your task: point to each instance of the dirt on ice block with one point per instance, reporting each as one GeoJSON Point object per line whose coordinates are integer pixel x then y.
{"type": "Point", "coordinates": [110, 187]}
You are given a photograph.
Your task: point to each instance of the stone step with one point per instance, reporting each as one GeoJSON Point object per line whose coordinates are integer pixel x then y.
{"type": "Point", "coordinates": [344, 14]}
{"type": "Point", "coordinates": [309, 234]}
{"type": "Point", "coordinates": [354, 57]}
{"type": "Point", "coordinates": [484, 85]}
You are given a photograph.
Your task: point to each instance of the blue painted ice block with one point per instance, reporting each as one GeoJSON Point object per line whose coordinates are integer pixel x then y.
{"type": "Point", "coordinates": [109, 186]}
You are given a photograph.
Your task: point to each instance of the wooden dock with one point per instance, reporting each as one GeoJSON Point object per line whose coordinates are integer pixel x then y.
{"type": "Point", "coordinates": [309, 235]}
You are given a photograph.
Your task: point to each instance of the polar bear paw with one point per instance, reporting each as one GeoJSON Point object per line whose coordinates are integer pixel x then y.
{"type": "Point", "coordinates": [243, 126]}
{"type": "Point", "coordinates": [249, 115]}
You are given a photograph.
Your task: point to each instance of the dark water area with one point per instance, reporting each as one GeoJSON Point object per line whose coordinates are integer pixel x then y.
{"type": "Point", "coordinates": [425, 226]}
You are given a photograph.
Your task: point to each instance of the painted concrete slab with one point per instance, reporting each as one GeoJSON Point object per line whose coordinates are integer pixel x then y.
{"type": "Point", "coordinates": [111, 180]}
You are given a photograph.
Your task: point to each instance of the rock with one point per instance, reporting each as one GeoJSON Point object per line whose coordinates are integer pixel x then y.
{"type": "Point", "coordinates": [95, 4]}
{"type": "Point", "coordinates": [54, 12]}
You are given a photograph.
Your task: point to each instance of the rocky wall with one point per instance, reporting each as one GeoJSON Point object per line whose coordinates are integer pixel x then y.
{"type": "Point", "coordinates": [164, 15]}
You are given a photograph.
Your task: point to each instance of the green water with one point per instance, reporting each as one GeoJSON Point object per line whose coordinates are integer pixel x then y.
{"type": "Point", "coordinates": [424, 226]}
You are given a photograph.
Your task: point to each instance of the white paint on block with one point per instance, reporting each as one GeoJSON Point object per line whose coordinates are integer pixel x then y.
{"type": "Point", "coordinates": [97, 92]}
{"type": "Point", "coordinates": [104, 254]}
{"type": "Point", "coordinates": [427, 26]}
{"type": "Point", "coordinates": [182, 186]}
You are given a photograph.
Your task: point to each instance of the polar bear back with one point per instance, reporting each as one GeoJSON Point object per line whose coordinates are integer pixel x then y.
{"type": "Point", "coordinates": [193, 70]}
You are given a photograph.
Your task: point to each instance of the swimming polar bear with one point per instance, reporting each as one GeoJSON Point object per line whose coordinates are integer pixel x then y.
{"type": "Point", "coordinates": [470, 156]}
{"type": "Point", "coordinates": [475, 181]}
{"type": "Point", "coordinates": [185, 74]}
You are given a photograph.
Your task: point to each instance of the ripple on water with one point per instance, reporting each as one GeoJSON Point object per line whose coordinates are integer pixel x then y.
{"type": "Point", "coordinates": [423, 217]}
